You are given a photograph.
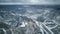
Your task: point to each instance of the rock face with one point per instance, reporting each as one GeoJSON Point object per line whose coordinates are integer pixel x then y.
{"type": "Point", "coordinates": [29, 20]}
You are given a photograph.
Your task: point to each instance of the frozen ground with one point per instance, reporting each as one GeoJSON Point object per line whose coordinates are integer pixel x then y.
{"type": "Point", "coordinates": [25, 19]}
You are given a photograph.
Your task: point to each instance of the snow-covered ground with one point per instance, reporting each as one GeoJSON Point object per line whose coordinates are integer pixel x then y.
{"type": "Point", "coordinates": [29, 20]}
